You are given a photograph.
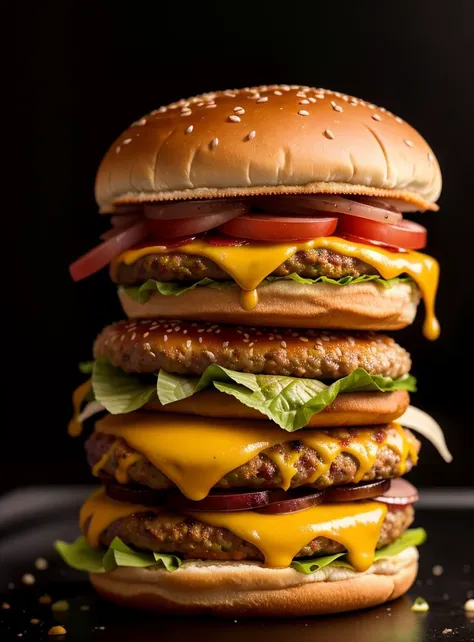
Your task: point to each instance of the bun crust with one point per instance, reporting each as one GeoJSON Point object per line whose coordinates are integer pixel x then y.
{"type": "Point", "coordinates": [348, 409]}
{"type": "Point", "coordinates": [268, 140]}
{"type": "Point", "coordinates": [365, 306]}
{"type": "Point", "coordinates": [246, 590]}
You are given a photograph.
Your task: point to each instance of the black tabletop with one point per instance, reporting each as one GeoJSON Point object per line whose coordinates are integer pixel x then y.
{"type": "Point", "coordinates": [31, 519]}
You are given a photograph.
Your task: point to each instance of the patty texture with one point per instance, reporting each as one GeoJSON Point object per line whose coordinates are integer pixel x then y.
{"type": "Point", "coordinates": [186, 267]}
{"type": "Point", "coordinates": [195, 539]}
{"type": "Point", "coordinates": [262, 471]}
{"type": "Point", "coordinates": [183, 347]}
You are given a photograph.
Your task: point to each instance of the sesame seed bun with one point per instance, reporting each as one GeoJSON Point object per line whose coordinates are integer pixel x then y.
{"type": "Point", "coordinates": [276, 139]}
{"type": "Point", "coordinates": [348, 409]}
{"type": "Point", "coordinates": [238, 589]}
{"type": "Point", "coordinates": [183, 347]}
{"type": "Point", "coordinates": [365, 306]}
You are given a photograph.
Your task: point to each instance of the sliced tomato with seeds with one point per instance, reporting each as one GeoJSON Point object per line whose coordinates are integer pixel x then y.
{"type": "Point", "coordinates": [268, 227]}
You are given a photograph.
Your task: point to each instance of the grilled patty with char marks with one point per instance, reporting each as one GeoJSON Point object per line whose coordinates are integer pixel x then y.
{"type": "Point", "coordinates": [187, 267]}
{"type": "Point", "coordinates": [192, 538]}
{"type": "Point", "coordinates": [183, 347]}
{"type": "Point", "coordinates": [261, 471]}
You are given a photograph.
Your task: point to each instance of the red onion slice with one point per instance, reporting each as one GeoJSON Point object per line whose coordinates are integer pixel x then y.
{"type": "Point", "coordinates": [308, 204]}
{"type": "Point", "coordinates": [401, 493]}
{"type": "Point", "coordinates": [195, 209]}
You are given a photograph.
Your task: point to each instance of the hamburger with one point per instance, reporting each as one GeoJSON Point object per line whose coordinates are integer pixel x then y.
{"type": "Point", "coordinates": [254, 420]}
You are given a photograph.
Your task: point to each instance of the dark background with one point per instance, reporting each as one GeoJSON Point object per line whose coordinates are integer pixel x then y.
{"type": "Point", "coordinates": [84, 75]}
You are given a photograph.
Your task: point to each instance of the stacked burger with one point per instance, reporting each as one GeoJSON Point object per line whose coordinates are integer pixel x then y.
{"type": "Point", "coordinates": [254, 412]}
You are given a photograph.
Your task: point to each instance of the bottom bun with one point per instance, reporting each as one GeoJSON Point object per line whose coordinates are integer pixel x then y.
{"type": "Point", "coordinates": [365, 306]}
{"type": "Point", "coordinates": [348, 409]}
{"type": "Point", "coordinates": [246, 589]}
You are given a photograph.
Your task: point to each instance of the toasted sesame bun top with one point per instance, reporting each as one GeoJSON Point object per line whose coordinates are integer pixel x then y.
{"type": "Point", "coordinates": [268, 140]}
{"type": "Point", "coordinates": [183, 347]}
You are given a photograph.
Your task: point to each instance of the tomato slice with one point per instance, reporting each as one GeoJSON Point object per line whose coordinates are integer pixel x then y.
{"type": "Point", "coordinates": [266, 227]}
{"type": "Point", "coordinates": [169, 228]}
{"type": "Point", "coordinates": [103, 254]}
{"type": "Point", "coordinates": [404, 234]}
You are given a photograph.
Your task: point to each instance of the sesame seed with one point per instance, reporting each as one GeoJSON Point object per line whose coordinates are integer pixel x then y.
{"type": "Point", "coordinates": [239, 110]}
{"type": "Point", "coordinates": [320, 96]}
{"type": "Point", "coordinates": [45, 599]}
{"type": "Point", "coordinates": [134, 336]}
{"type": "Point", "coordinates": [117, 150]}
{"type": "Point", "coordinates": [162, 110]}
{"type": "Point", "coordinates": [430, 157]}
{"type": "Point", "coordinates": [145, 335]}
{"type": "Point", "coordinates": [329, 134]}
{"type": "Point", "coordinates": [338, 108]}
{"type": "Point", "coordinates": [377, 117]}
{"type": "Point", "coordinates": [303, 112]}
{"type": "Point", "coordinates": [188, 343]}
{"type": "Point", "coordinates": [126, 141]}
{"type": "Point", "coordinates": [312, 99]}
{"type": "Point", "coordinates": [234, 119]}
{"type": "Point", "coordinates": [277, 92]}
{"type": "Point", "coordinates": [141, 122]}
{"type": "Point", "coordinates": [304, 339]}
{"type": "Point", "coordinates": [398, 119]}
{"type": "Point", "coordinates": [57, 630]}
{"type": "Point", "coordinates": [185, 332]}
{"type": "Point", "coordinates": [186, 112]}
{"type": "Point", "coordinates": [165, 337]}
{"type": "Point", "coordinates": [200, 339]}
{"type": "Point", "coordinates": [252, 134]}
{"type": "Point", "coordinates": [263, 99]}
{"type": "Point", "coordinates": [201, 330]}
{"type": "Point", "coordinates": [41, 564]}
{"type": "Point", "coordinates": [283, 344]}
{"type": "Point", "coordinates": [285, 87]}
{"type": "Point", "coordinates": [225, 344]}
{"type": "Point", "coordinates": [305, 101]}
{"type": "Point", "coordinates": [28, 579]}
{"type": "Point", "coordinates": [409, 143]}
{"type": "Point", "coordinates": [301, 94]}
{"type": "Point", "coordinates": [246, 340]}
{"type": "Point", "coordinates": [211, 106]}
{"type": "Point", "coordinates": [152, 353]}
{"type": "Point", "coordinates": [214, 143]}
{"type": "Point", "coordinates": [177, 328]}
{"type": "Point", "coordinates": [189, 129]}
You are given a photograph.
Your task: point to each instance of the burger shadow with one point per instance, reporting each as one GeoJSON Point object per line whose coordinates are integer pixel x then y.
{"type": "Point", "coordinates": [392, 622]}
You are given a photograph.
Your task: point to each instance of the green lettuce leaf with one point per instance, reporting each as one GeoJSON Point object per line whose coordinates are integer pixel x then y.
{"type": "Point", "coordinates": [141, 293]}
{"type": "Point", "coordinates": [82, 557]}
{"type": "Point", "coordinates": [119, 391]}
{"type": "Point", "coordinates": [288, 401]}
{"type": "Point", "coordinates": [86, 367]}
{"type": "Point", "coordinates": [345, 280]}
{"type": "Point", "coordinates": [411, 537]}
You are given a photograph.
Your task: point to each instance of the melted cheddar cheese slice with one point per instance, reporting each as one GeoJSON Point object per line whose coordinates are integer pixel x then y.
{"type": "Point", "coordinates": [354, 525]}
{"type": "Point", "coordinates": [249, 265]}
{"type": "Point", "coordinates": [197, 452]}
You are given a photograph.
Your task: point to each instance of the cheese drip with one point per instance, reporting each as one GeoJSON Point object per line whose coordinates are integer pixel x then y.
{"type": "Point", "coordinates": [74, 427]}
{"type": "Point", "coordinates": [249, 265]}
{"type": "Point", "coordinates": [197, 452]}
{"type": "Point", "coordinates": [354, 525]}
